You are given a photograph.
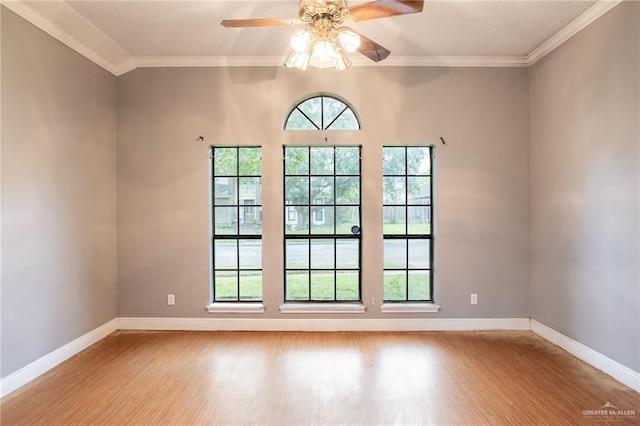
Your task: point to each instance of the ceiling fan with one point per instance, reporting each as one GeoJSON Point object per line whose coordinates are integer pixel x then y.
{"type": "Point", "coordinates": [325, 41]}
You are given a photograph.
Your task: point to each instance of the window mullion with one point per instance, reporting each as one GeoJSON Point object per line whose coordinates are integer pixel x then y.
{"type": "Point", "coordinates": [310, 120]}
{"type": "Point", "coordinates": [322, 268]}
{"type": "Point", "coordinates": [417, 267]}
{"type": "Point", "coordinates": [298, 119]}
{"type": "Point", "coordinates": [337, 116]}
{"type": "Point", "coordinates": [226, 277]}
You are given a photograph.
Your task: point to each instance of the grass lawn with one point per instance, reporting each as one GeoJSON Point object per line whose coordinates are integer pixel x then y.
{"type": "Point", "coordinates": [395, 285]}
{"type": "Point", "coordinates": [341, 229]}
{"type": "Point", "coordinates": [387, 228]}
{"type": "Point", "coordinates": [246, 230]}
{"type": "Point", "coordinates": [400, 228]}
{"type": "Point", "coordinates": [322, 286]}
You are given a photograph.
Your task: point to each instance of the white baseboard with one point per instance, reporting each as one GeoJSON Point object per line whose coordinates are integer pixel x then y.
{"type": "Point", "coordinates": [616, 370]}
{"type": "Point", "coordinates": [26, 374]}
{"type": "Point", "coordinates": [320, 324]}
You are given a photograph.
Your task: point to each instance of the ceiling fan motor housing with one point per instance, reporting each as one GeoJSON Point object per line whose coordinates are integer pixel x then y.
{"type": "Point", "coordinates": [333, 11]}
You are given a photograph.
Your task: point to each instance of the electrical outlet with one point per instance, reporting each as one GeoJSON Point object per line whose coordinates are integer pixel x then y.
{"type": "Point", "coordinates": [474, 298]}
{"type": "Point", "coordinates": [171, 299]}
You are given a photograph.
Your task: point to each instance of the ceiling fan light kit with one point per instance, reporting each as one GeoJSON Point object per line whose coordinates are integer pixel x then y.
{"type": "Point", "coordinates": [298, 60]}
{"type": "Point", "coordinates": [349, 39]}
{"type": "Point", "coordinates": [300, 41]}
{"type": "Point", "coordinates": [322, 49]}
{"type": "Point", "coordinates": [325, 42]}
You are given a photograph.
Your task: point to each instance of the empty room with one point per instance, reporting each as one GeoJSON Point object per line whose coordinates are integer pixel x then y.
{"type": "Point", "coordinates": [320, 212]}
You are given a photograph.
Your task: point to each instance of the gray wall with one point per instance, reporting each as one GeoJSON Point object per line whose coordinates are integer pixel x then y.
{"type": "Point", "coordinates": [58, 194]}
{"type": "Point", "coordinates": [568, 156]}
{"type": "Point", "coordinates": [482, 176]}
{"type": "Point", "coordinates": [585, 220]}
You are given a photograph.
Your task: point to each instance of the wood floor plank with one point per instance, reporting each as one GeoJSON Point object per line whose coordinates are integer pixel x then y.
{"type": "Point", "coordinates": [296, 378]}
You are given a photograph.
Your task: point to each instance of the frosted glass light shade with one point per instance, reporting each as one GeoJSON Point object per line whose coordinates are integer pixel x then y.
{"type": "Point", "coordinates": [300, 41]}
{"type": "Point", "coordinates": [343, 62]}
{"type": "Point", "coordinates": [350, 40]}
{"type": "Point", "coordinates": [323, 55]}
{"type": "Point", "coordinates": [297, 60]}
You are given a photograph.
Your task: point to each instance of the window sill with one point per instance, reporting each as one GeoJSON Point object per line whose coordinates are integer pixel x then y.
{"type": "Point", "coordinates": [235, 308]}
{"type": "Point", "coordinates": [322, 308]}
{"type": "Point", "coordinates": [394, 308]}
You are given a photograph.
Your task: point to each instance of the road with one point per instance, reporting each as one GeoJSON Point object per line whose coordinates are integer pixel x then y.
{"type": "Point", "coordinates": [322, 253]}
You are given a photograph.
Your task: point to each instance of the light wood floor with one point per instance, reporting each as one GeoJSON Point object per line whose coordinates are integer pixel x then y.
{"type": "Point", "coordinates": [275, 378]}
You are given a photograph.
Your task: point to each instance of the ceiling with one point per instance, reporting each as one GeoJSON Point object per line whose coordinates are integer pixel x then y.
{"type": "Point", "coordinates": [123, 35]}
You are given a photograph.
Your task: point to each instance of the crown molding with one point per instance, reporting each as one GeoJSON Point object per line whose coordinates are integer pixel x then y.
{"type": "Point", "coordinates": [21, 8]}
{"type": "Point", "coordinates": [277, 61]}
{"type": "Point", "coordinates": [447, 61]}
{"type": "Point", "coordinates": [575, 26]}
{"type": "Point", "coordinates": [126, 66]}
{"type": "Point", "coordinates": [208, 61]}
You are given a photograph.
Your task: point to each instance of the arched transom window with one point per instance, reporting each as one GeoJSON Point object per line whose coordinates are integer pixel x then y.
{"type": "Point", "coordinates": [322, 112]}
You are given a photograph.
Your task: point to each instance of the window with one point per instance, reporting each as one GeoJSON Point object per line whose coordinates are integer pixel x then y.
{"type": "Point", "coordinates": [237, 224]}
{"type": "Point", "coordinates": [222, 187]}
{"type": "Point", "coordinates": [322, 238]}
{"type": "Point", "coordinates": [322, 113]}
{"type": "Point", "coordinates": [407, 212]}
{"type": "Point", "coordinates": [248, 210]}
{"type": "Point", "coordinates": [318, 216]}
{"type": "Point", "coordinates": [291, 216]}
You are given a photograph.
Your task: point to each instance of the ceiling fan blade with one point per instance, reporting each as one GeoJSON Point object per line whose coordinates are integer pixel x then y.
{"type": "Point", "coordinates": [370, 48]}
{"type": "Point", "coordinates": [265, 22]}
{"type": "Point", "coordinates": [384, 9]}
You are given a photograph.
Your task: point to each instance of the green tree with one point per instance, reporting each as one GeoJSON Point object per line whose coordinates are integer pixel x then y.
{"type": "Point", "coordinates": [322, 113]}
{"type": "Point", "coordinates": [398, 162]}
{"type": "Point", "coordinates": [320, 176]}
{"type": "Point", "coordinates": [228, 164]}
{"type": "Point", "coordinates": [243, 161]}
